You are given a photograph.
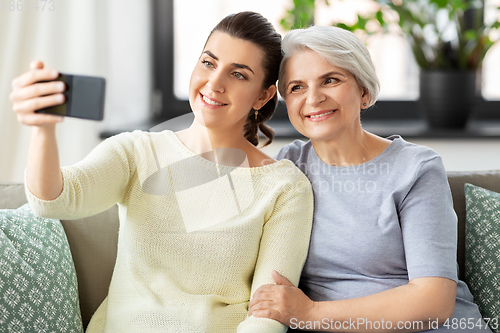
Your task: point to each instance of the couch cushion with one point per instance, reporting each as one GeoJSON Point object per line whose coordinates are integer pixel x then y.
{"type": "Point", "coordinates": [38, 285]}
{"type": "Point", "coordinates": [12, 195]}
{"type": "Point", "coordinates": [482, 248]}
{"type": "Point", "coordinates": [486, 179]}
{"type": "Point", "coordinates": [93, 241]}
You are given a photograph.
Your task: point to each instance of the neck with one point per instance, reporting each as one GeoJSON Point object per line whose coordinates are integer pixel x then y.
{"type": "Point", "coordinates": [200, 139]}
{"type": "Point", "coordinates": [352, 148]}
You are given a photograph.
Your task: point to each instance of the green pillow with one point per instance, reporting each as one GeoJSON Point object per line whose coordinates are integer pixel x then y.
{"type": "Point", "coordinates": [38, 287]}
{"type": "Point", "coordinates": [482, 249]}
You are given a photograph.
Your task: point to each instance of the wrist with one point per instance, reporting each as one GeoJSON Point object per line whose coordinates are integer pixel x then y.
{"type": "Point", "coordinates": [44, 133]}
{"type": "Point", "coordinates": [315, 312]}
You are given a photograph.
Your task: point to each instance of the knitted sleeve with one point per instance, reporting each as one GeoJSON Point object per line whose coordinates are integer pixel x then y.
{"type": "Point", "coordinates": [284, 245]}
{"type": "Point", "coordinates": [92, 185]}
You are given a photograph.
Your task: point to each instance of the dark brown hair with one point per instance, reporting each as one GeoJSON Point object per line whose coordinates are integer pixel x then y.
{"type": "Point", "coordinates": [255, 28]}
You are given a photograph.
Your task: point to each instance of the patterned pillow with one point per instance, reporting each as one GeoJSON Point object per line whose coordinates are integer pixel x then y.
{"type": "Point", "coordinates": [482, 249]}
{"type": "Point", "coordinates": [38, 287]}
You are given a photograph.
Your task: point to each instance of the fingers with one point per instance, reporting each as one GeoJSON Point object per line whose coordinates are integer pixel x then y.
{"type": "Point", "coordinates": [266, 310]}
{"type": "Point", "coordinates": [33, 76]}
{"type": "Point", "coordinates": [36, 90]}
{"type": "Point", "coordinates": [261, 296]}
{"type": "Point", "coordinates": [25, 110]}
{"type": "Point", "coordinates": [280, 279]}
{"type": "Point", "coordinates": [36, 64]}
{"type": "Point", "coordinates": [264, 305]}
{"type": "Point", "coordinates": [33, 104]}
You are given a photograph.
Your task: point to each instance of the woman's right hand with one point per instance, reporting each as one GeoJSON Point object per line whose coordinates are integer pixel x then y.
{"type": "Point", "coordinates": [30, 93]}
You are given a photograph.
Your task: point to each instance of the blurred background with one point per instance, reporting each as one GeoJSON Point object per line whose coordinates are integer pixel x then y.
{"type": "Point", "coordinates": [146, 51]}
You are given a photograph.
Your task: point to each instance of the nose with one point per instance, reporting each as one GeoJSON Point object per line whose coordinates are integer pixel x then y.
{"type": "Point", "coordinates": [216, 81]}
{"type": "Point", "coordinates": [315, 96]}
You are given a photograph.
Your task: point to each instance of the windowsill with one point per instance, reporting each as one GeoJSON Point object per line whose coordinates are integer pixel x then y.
{"type": "Point", "coordinates": [476, 129]}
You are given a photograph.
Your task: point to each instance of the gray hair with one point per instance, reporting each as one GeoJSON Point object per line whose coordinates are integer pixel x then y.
{"type": "Point", "coordinates": [340, 48]}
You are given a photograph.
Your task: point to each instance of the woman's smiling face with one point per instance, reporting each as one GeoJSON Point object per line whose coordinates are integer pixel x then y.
{"type": "Point", "coordinates": [323, 100]}
{"type": "Point", "coordinates": [227, 82]}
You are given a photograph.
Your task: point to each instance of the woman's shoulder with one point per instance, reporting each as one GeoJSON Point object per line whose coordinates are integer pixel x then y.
{"type": "Point", "coordinates": [281, 168]}
{"type": "Point", "coordinates": [283, 177]}
{"type": "Point", "coordinates": [275, 173]}
{"type": "Point", "coordinates": [405, 150]}
{"type": "Point", "coordinates": [124, 138]}
{"type": "Point", "coordinates": [413, 159]}
{"type": "Point", "coordinates": [140, 133]}
{"type": "Point", "coordinates": [138, 136]}
{"type": "Point", "coordinates": [294, 150]}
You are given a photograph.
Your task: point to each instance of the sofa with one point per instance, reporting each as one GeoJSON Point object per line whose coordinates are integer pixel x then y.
{"type": "Point", "coordinates": [93, 240]}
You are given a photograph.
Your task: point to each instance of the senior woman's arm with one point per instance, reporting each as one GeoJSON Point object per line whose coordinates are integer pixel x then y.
{"type": "Point", "coordinates": [428, 226]}
{"type": "Point", "coordinates": [413, 307]}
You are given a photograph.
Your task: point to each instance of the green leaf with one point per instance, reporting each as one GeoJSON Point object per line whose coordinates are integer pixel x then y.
{"type": "Point", "coordinates": [380, 18]}
{"type": "Point", "coordinates": [440, 3]}
{"type": "Point", "coordinates": [345, 27]}
{"type": "Point", "coordinates": [470, 35]}
{"type": "Point", "coordinates": [413, 16]}
{"type": "Point", "coordinates": [361, 23]}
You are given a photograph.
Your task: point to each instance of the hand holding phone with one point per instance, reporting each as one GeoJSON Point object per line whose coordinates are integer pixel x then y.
{"type": "Point", "coordinates": [35, 90]}
{"type": "Point", "coordinates": [37, 93]}
{"type": "Point", "coordinates": [84, 96]}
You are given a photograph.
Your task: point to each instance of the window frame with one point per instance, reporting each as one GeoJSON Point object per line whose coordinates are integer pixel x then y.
{"type": "Point", "coordinates": [166, 105]}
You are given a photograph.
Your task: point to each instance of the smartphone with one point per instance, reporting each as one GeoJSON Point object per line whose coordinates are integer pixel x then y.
{"type": "Point", "coordinates": [84, 97]}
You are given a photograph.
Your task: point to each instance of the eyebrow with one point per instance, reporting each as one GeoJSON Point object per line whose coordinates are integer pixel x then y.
{"type": "Point", "coordinates": [243, 66]}
{"type": "Point", "coordinates": [293, 82]}
{"type": "Point", "coordinates": [324, 76]}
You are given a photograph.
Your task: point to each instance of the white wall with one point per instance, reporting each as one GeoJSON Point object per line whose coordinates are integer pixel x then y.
{"type": "Point", "coordinates": [109, 38]}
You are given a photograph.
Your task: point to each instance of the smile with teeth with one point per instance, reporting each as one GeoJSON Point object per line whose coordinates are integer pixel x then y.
{"type": "Point", "coordinates": [210, 102]}
{"type": "Point", "coordinates": [320, 115]}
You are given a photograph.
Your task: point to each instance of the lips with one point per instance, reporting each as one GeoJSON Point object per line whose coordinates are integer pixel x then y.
{"type": "Point", "coordinates": [320, 115]}
{"type": "Point", "coordinates": [211, 101]}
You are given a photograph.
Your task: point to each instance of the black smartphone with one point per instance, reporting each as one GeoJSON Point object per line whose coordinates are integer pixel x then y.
{"type": "Point", "coordinates": [84, 97]}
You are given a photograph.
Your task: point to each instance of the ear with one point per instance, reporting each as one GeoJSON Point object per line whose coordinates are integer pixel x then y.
{"type": "Point", "coordinates": [265, 97]}
{"type": "Point", "coordinates": [365, 98]}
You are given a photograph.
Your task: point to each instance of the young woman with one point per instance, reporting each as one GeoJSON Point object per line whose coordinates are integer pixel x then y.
{"type": "Point", "coordinates": [382, 255]}
{"type": "Point", "coordinates": [197, 235]}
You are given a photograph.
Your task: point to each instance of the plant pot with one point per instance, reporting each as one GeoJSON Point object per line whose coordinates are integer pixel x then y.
{"type": "Point", "coordinates": [447, 98]}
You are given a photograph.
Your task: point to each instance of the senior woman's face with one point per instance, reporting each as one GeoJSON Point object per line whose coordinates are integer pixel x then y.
{"type": "Point", "coordinates": [323, 101]}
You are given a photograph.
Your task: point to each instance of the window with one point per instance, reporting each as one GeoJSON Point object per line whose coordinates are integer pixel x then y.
{"type": "Point", "coordinates": [392, 56]}
{"type": "Point", "coordinates": [181, 28]}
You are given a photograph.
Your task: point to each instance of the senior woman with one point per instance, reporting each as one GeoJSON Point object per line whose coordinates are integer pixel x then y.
{"type": "Point", "coordinates": [382, 255]}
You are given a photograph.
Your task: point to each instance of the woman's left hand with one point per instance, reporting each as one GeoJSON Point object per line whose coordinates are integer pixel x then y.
{"type": "Point", "coordinates": [282, 302]}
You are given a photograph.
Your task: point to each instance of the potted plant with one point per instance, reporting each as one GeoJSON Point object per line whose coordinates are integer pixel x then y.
{"type": "Point", "coordinates": [449, 39]}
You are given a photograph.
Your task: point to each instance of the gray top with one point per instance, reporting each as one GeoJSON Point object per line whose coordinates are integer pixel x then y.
{"type": "Point", "coordinates": [379, 224]}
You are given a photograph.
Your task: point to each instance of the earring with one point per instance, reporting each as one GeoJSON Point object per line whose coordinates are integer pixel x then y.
{"type": "Point", "coordinates": [364, 104]}
{"type": "Point", "coordinates": [256, 114]}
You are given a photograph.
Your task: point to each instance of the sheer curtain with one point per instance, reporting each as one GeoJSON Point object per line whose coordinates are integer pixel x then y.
{"type": "Point", "coordinates": [108, 38]}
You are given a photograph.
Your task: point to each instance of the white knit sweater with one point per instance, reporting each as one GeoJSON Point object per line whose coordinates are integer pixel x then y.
{"type": "Point", "coordinates": [195, 240]}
